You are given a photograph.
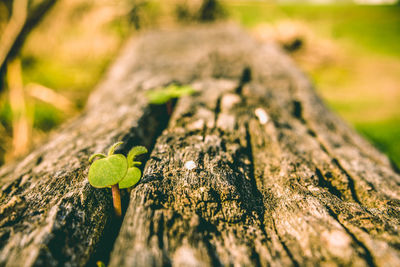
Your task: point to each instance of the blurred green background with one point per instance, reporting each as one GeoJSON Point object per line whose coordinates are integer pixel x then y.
{"type": "Point", "coordinates": [350, 51]}
{"type": "Point", "coordinates": [352, 54]}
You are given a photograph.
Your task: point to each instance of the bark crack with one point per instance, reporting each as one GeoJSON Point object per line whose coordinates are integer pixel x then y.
{"type": "Point", "coordinates": [216, 111]}
{"type": "Point", "coordinates": [155, 115]}
{"type": "Point", "coordinates": [324, 182]}
{"type": "Point", "coordinates": [298, 113]}
{"type": "Point", "coordinates": [350, 180]}
{"type": "Point", "coordinates": [256, 192]}
{"type": "Point", "coordinates": [367, 255]}
{"type": "Point", "coordinates": [285, 247]}
{"type": "Point", "coordinates": [245, 78]}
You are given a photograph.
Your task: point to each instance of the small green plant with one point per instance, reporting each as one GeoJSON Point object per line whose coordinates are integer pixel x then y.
{"type": "Point", "coordinates": [165, 95]}
{"type": "Point", "coordinates": [115, 171]}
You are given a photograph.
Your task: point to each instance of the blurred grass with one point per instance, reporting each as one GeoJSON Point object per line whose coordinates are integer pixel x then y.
{"type": "Point", "coordinates": [375, 29]}
{"type": "Point", "coordinates": [385, 134]}
{"type": "Point", "coordinates": [67, 53]}
{"type": "Point", "coordinates": [361, 81]}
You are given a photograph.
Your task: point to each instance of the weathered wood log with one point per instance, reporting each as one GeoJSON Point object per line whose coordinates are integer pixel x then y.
{"type": "Point", "coordinates": [251, 170]}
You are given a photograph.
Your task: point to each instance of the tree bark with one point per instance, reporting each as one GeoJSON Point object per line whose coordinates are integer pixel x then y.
{"type": "Point", "coordinates": [251, 170]}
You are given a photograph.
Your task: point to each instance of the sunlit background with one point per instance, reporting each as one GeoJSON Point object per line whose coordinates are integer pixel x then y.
{"type": "Point", "coordinates": [57, 51]}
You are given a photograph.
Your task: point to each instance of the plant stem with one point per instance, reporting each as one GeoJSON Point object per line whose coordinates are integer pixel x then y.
{"type": "Point", "coordinates": [169, 107]}
{"type": "Point", "coordinates": [116, 200]}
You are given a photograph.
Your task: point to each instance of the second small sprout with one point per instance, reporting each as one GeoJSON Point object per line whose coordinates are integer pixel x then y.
{"type": "Point", "coordinates": [165, 95]}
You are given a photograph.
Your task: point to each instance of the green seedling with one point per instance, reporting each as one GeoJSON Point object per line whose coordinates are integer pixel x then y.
{"type": "Point", "coordinates": [115, 171]}
{"type": "Point", "coordinates": [165, 95]}
{"type": "Point", "coordinates": [109, 171]}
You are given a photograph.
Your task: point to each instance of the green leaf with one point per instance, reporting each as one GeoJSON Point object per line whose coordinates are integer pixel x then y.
{"type": "Point", "coordinates": [135, 151]}
{"type": "Point", "coordinates": [108, 171]}
{"type": "Point", "coordinates": [158, 97]}
{"type": "Point", "coordinates": [179, 91]}
{"type": "Point", "coordinates": [132, 177]}
{"type": "Point", "coordinates": [163, 95]}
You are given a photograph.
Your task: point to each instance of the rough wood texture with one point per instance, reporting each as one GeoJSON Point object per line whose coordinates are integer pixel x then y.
{"type": "Point", "coordinates": [278, 179]}
{"type": "Point", "coordinates": [49, 214]}
{"type": "Point", "coordinates": [299, 189]}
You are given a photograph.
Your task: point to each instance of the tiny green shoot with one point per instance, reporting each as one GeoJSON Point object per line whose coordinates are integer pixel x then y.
{"type": "Point", "coordinates": [115, 171]}
{"type": "Point", "coordinates": [165, 95]}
